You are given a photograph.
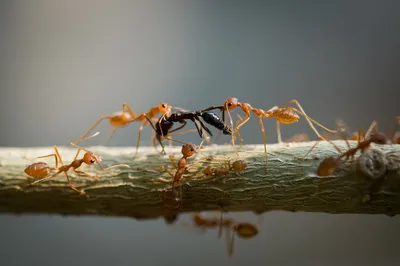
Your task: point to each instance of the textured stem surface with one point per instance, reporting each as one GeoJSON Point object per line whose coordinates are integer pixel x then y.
{"type": "Point", "coordinates": [289, 183]}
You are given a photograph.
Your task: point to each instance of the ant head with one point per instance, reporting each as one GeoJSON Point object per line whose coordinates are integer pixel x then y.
{"type": "Point", "coordinates": [379, 138]}
{"type": "Point", "coordinates": [189, 150]}
{"type": "Point", "coordinates": [164, 108]}
{"type": "Point", "coordinates": [89, 158]}
{"type": "Point", "coordinates": [231, 103]}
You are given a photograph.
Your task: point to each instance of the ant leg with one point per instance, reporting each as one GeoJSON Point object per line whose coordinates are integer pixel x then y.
{"type": "Point", "coordinates": [112, 131]}
{"type": "Point", "coordinates": [310, 120]}
{"type": "Point", "coordinates": [138, 138]}
{"type": "Point", "coordinates": [92, 127]}
{"type": "Point", "coordinates": [171, 158]}
{"type": "Point", "coordinates": [204, 126]}
{"type": "Point", "coordinates": [180, 127]}
{"type": "Point", "coordinates": [374, 125]}
{"type": "Point", "coordinates": [233, 133]}
{"type": "Point", "coordinates": [44, 179]}
{"type": "Point", "coordinates": [71, 186]}
{"type": "Point", "coordinates": [126, 107]}
{"type": "Point", "coordinates": [58, 155]}
{"type": "Point", "coordinates": [232, 243]}
{"type": "Point", "coordinates": [55, 158]}
{"type": "Point", "coordinates": [86, 174]}
{"type": "Point", "coordinates": [278, 131]}
{"type": "Point", "coordinates": [264, 139]}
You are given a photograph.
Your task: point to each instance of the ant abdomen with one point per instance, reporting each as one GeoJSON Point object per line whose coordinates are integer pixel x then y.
{"type": "Point", "coordinates": [38, 170]}
{"type": "Point", "coordinates": [286, 116]}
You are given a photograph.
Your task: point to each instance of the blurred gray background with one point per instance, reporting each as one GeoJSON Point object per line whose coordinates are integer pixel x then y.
{"type": "Point", "coordinates": [65, 63]}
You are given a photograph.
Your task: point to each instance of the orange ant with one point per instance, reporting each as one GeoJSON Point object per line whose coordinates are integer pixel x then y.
{"type": "Point", "coordinates": [242, 229]}
{"type": "Point", "coordinates": [188, 150]}
{"type": "Point", "coordinates": [237, 166]}
{"type": "Point", "coordinates": [330, 164]}
{"type": "Point", "coordinates": [42, 169]}
{"type": "Point", "coordinates": [126, 116]}
{"type": "Point", "coordinates": [282, 114]}
{"type": "Point", "coordinates": [88, 158]}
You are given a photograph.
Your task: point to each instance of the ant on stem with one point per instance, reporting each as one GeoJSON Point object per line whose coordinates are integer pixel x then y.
{"type": "Point", "coordinates": [188, 150]}
{"type": "Point", "coordinates": [88, 158]}
{"type": "Point", "coordinates": [126, 116]}
{"type": "Point", "coordinates": [330, 164]}
{"type": "Point", "coordinates": [283, 114]}
{"type": "Point", "coordinates": [42, 169]}
{"type": "Point", "coordinates": [237, 166]}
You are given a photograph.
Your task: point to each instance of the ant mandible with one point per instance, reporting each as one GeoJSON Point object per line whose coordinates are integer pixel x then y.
{"type": "Point", "coordinates": [282, 114]}
{"type": "Point", "coordinates": [126, 116]}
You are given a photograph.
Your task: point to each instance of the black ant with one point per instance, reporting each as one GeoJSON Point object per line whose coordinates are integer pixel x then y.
{"type": "Point", "coordinates": [165, 123]}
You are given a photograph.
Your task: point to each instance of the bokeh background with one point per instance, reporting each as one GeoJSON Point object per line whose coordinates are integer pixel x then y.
{"type": "Point", "coordinates": [65, 63]}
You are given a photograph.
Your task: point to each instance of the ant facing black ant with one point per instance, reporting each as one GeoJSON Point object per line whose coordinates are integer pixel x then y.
{"type": "Point", "coordinates": [283, 114]}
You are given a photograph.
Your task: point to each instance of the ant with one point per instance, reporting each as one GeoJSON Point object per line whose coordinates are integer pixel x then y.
{"type": "Point", "coordinates": [241, 229]}
{"type": "Point", "coordinates": [282, 114]}
{"type": "Point", "coordinates": [237, 166]}
{"type": "Point", "coordinates": [330, 164]}
{"type": "Point", "coordinates": [165, 123]}
{"type": "Point", "coordinates": [126, 116]}
{"type": "Point", "coordinates": [188, 150]}
{"type": "Point", "coordinates": [88, 158]}
{"type": "Point", "coordinates": [42, 169]}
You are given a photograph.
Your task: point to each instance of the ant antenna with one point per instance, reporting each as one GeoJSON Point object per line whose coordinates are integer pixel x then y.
{"type": "Point", "coordinates": [80, 148]}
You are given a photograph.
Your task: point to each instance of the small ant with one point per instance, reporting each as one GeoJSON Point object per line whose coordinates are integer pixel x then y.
{"type": "Point", "coordinates": [88, 158]}
{"type": "Point", "coordinates": [188, 150]}
{"type": "Point", "coordinates": [126, 116]}
{"type": "Point", "coordinates": [330, 164]}
{"type": "Point", "coordinates": [242, 229]}
{"type": "Point", "coordinates": [282, 114]}
{"type": "Point", "coordinates": [237, 166]}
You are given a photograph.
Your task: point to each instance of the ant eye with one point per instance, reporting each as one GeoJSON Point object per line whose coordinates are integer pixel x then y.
{"type": "Point", "coordinates": [92, 161]}
{"type": "Point", "coordinates": [229, 104]}
{"type": "Point", "coordinates": [163, 105]}
{"type": "Point", "coordinates": [191, 149]}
